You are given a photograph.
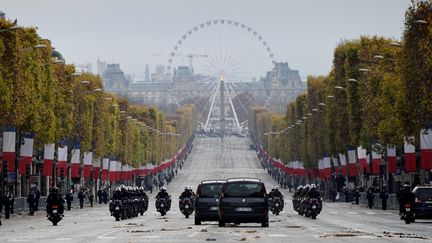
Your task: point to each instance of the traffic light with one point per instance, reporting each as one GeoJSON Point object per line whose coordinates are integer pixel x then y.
{"type": "Point", "coordinates": [27, 171]}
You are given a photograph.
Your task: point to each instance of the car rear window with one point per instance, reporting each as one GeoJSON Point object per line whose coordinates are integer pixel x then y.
{"type": "Point", "coordinates": [244, 189]}
{"type": "Point", "coordinates": [209, 190]}
{"type": "Point", "coordinates": [424, 193]}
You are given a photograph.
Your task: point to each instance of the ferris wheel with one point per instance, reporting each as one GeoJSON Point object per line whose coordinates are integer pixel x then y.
{"type": "Point", "coordinates": [215, 51]}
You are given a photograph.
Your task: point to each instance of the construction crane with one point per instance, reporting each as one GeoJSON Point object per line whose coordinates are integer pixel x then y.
{"type": "Point", "coordinates": [191, 56]}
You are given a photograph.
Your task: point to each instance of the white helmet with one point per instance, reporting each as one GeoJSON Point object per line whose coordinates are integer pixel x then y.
{"type": "Point", "coordinates": [307, 186]}
{"type": "Point", "coordinates": [299, 187]}
{"type": "Point", "coordinates": [189, 188]}
{"type": "Point", "coordinates": [312, 186]}
{"type": "Point", "coordinates": [186, 187]}
{"type": "Point", "coordinates": [276, 187]}
{"type": "Point", "coordinates": [163, 188]}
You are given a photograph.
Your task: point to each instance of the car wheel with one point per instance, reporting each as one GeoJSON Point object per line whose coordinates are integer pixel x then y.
{"type": "Point", "coordinates": [197, 220]}
{"type": "Point", "coordinates": [221, 223]}
{"type": "Point", "coordinates": [265, 223]}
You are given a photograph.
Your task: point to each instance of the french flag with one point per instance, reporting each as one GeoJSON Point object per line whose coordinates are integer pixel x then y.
{"type": "Point", "coordinates": [105, 168]}
{"type": "Point", "coordinates": [409, 155]}
{"type": "Point", "coordinates": [112, 170]}
{"type": "Point", "coordinates": [352, 160]}
{"type": "Point", "coordinates": [426, 149]}
{"type": "Point", "coordinates": [335, 164]}
{"type": "Point", "coordinates": [9, 139]}
{"type": "Point", "coordinates": [48, 159]}
{"type": "Point", "coordinates": [96, 169]}
{"type": "Point", "coordinates": [62, 160]}
{"type": "Point", "coordinates": [123, 176]}
{"type": "Point", "coordinates": [87, 164]}
{"type": "Point", "coordinates": [321, 169]}
{"type": "Point", "coordinates": [343, 163]}
{"type": "Point", "coordinates": [75, 162]}
{"type": "Point", "coordinates": [362, 158]}
{"type": "Point", "coordinates": [26, 153]}
{"type": "Point", "coordinates": [327, 167]}
{"type": "Point", "coordinates": [118, 171]}
{"type": "Point", "coordinates": [391, 159]}
{"type": "Point", "coordinates": [376, 161]}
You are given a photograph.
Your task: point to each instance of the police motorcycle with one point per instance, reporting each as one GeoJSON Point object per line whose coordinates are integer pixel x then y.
{"type": "Point", "coordinates": [186, 202]}
{"type": "Point", "coordinates": [276, 201]}
{"type": "Point", "coordinates": [116, 206]}
{"type": "Point", "coordinates": [311, 204]}
{"type": "Point", "coordinates": [55, 206]}
{"type": "Point", "coordinates": [296, 199]}
{"type": "Point", "coordinates": [163, 201]}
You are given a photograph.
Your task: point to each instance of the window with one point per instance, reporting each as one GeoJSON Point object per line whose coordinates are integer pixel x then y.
{"type": "Point", "coordinates": [244, 190]}
{"type": "Point", "coordinates": [209, 190]}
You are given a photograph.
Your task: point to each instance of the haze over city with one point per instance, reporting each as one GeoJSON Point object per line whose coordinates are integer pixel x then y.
{"type": "Point", "coordinates": [130, 32]}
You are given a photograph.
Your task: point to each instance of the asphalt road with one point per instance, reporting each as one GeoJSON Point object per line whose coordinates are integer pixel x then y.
{"type": "Point", "coordinates": [338, 222]}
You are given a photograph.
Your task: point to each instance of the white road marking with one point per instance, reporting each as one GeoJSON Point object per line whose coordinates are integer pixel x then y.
{"type": "Point", "coordinates": [150, 237]}
{"type": "Point", "coordinates": [193, 234]}
{"type": "Point", "coordinates": [104, 235]}
{"type": "Point", "coordinates": [62, 239]}
{"type": "Point", "coordinates": [18, 240]}
{"type": "Point", "coordinates": [277, 235]}
{"type": "Point", "coordinates": [370, 213]}
{"type": "Point", "coordinates": [352, 213]}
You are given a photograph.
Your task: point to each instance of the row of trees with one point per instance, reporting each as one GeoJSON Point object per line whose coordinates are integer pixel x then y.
{"type": "Point", "coordinates": [378, 92]}
{"type": "Point", "coordinates": [41, 94]}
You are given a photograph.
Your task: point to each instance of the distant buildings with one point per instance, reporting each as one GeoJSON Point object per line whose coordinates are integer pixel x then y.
{"type": "Point", "coordinates": [2, 15]}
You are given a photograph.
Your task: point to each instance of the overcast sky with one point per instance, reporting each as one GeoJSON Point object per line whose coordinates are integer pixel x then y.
{"type": "Point", "coordinates": [303, 33]}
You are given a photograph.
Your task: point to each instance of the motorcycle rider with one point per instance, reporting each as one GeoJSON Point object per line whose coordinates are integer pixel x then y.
{"type": "Point", "coordinates": [275, 193]}
{"type": "Point", "coordinates": [163, 194]}
{"type": "Point", "coordinates": [313, 193]}
{"type": "Point", "coordinates": [54, 197]}
{"type": "Point", "coordinates": [406, 197]}
{"type": "Point", "coordinates": [187, 193]}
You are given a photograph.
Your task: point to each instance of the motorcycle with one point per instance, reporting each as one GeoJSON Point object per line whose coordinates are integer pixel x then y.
{"type": "Point", "coordinates": [314, 208]}
{"type": "Point", "coordinates": [55, 215]}
{"type": "Point", "coordinates": [408, 215]}
{"type": "Point", "coordinates": [162, 206]}
{"type": "Point", "coordinates": [116, 209]}
{"type": "Point", "coordinates": [276, 205]}
{"type": "Point", "coordinates": [186, 206]}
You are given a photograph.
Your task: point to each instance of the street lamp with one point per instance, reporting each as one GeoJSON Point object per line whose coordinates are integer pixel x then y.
{"type": "Point", "coordinates": [115, 105]}
{"type": "Point", "coordinates": [122, 112]}
{"type": "Point", "coordinates": [322, 104]}
{"type": "Point", "coordinates": [12, 28]}
{"type": "Point", "coordinates": [339, 87]}
{"type": "Point", "coordinates": [330, 97]}
{"type": "Point", "coordinates": [363, 70]}
{"type": "Point", "coordinates": [352, 80]}
{"type": "Point", "coordinates": [97, 90]}
{"type": "Point", "coordinates": [396, 44]}
{"type": "Point", "coordinates": [85, 82]}
{"type": "Point", "coordinates": [381, 57]}
{"type": "Point", "coordinates": [420, 21]}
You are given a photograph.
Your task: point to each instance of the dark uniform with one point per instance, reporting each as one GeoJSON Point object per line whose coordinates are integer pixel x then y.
{"type": "Point", "coordinates": [384, 196]}
{"type": "Point", "coordinates": [69, 199]}
{"type": "Point", "coordinates": [55, 198]}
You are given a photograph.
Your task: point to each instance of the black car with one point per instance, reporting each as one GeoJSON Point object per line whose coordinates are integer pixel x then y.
{"type": "Point", "coordinates": [243, 200]}
{"type": "Point", "coordinates": [423, 203]}
{"type": "Point", "coordinates": [206, 202]}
